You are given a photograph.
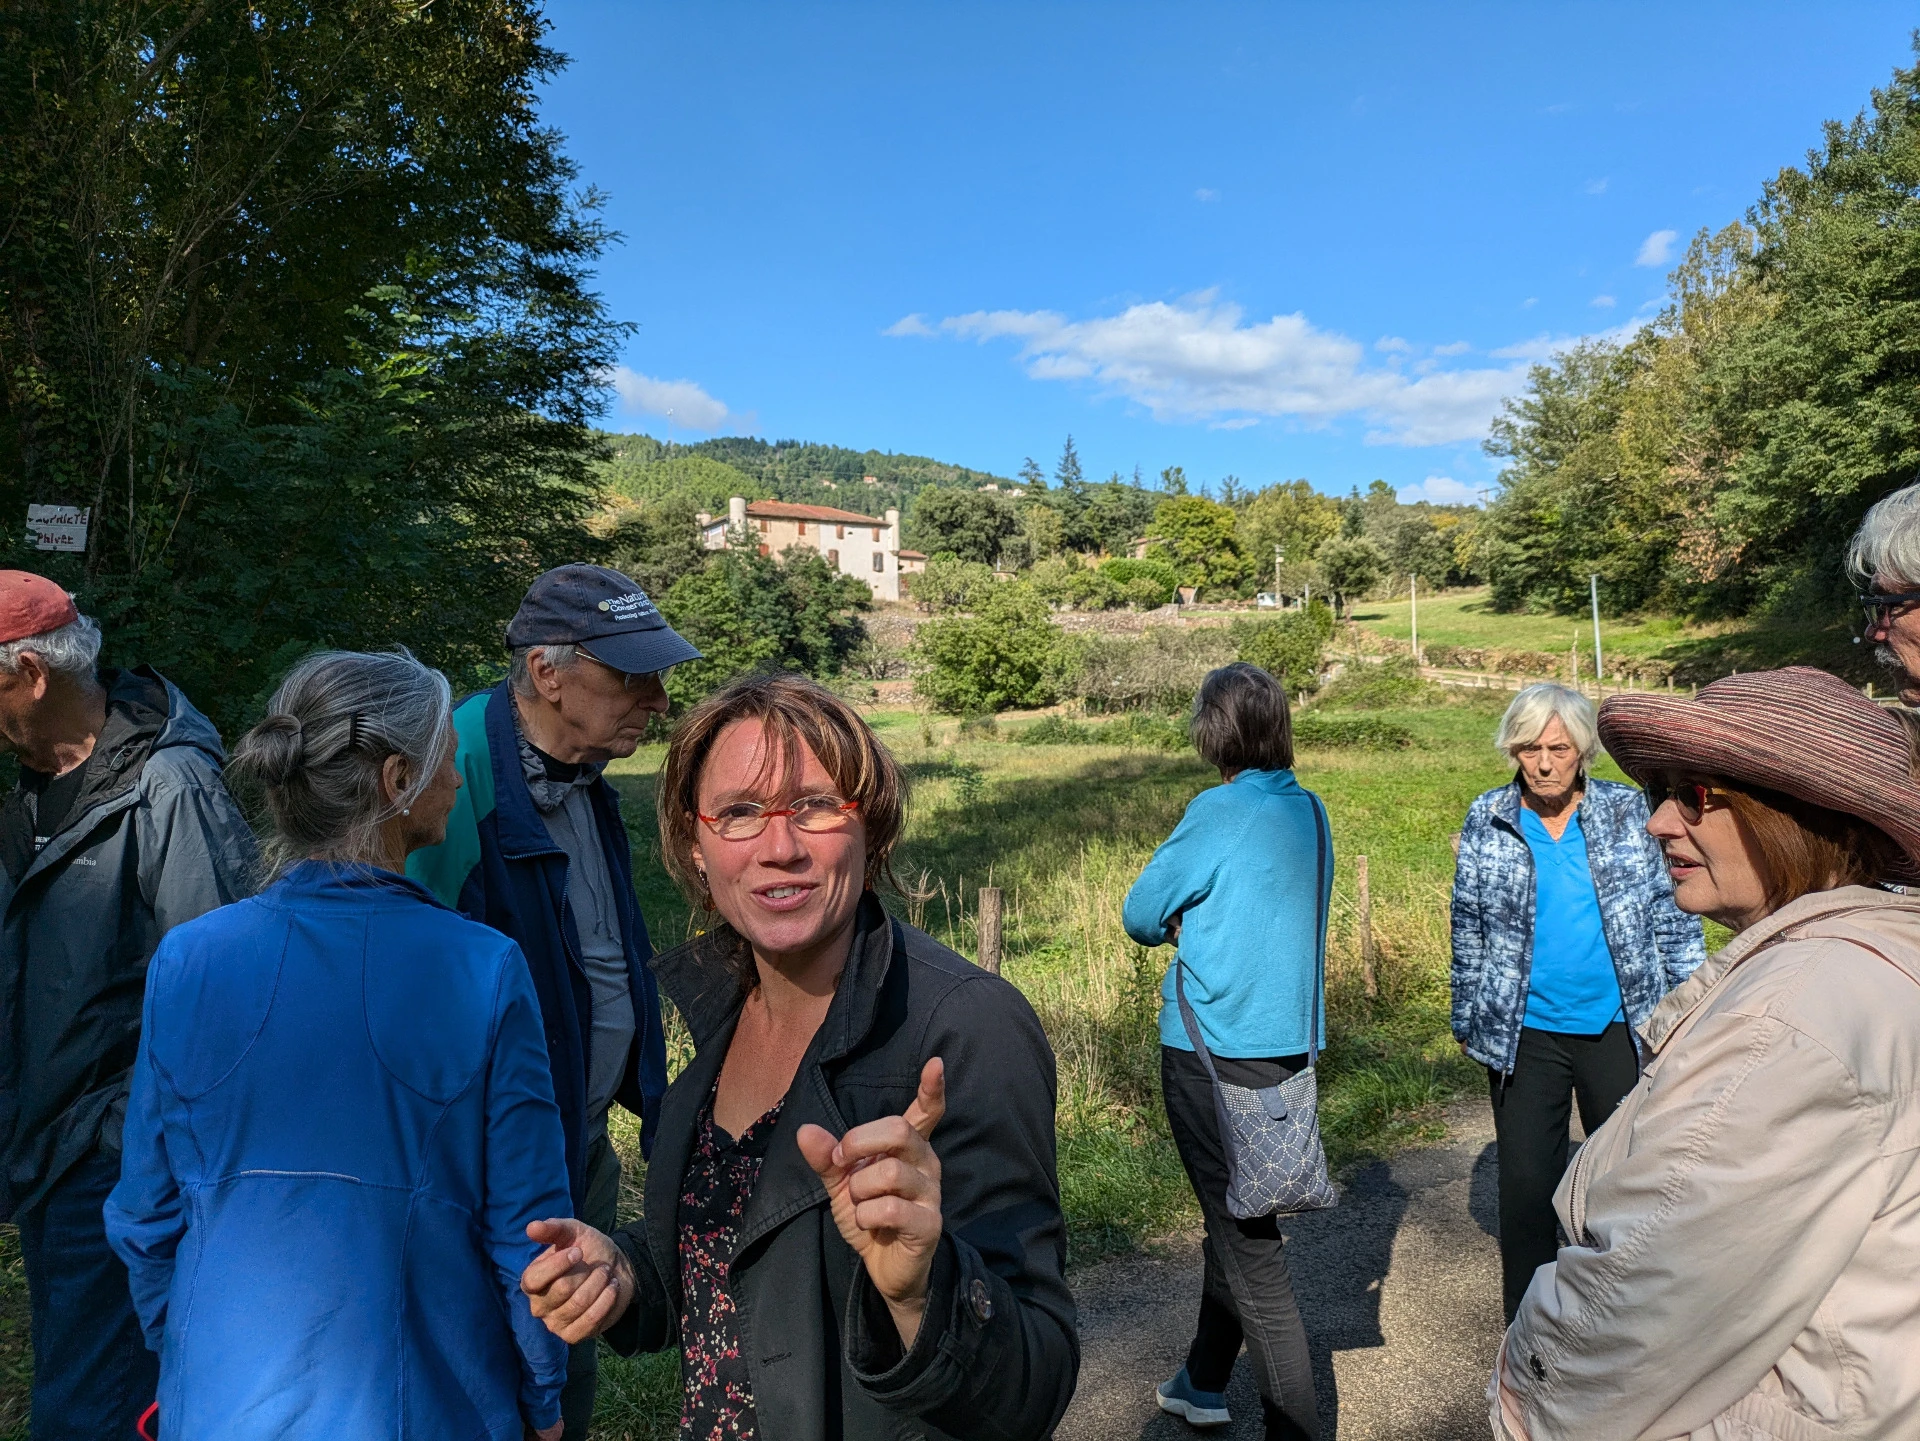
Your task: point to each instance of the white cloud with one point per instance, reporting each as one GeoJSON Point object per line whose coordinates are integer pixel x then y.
{"type": "Point", "coordinates": [1657, 248]}
{"type": "Point", "coordinates": [915, 324]}
{"type": "Point", "coordinates": [1441, 490]}
{"type": "Point", "coordinates": [1199, 359]}
{"type": "Point", "coordinates": [1203, 194]}
{"type": "Point", "coordinates": [1530, 302]}
{"type": "Point", "coordinates": [1597, 187]}
{"type": "Point", "coordinates": [1452, 347]}
{"type": "Point", "coordinates": [1604, 302]}
{"type": "Point", "coordinates": [680, 401]}
{"type": "Point", "coordinates": [1392, 345]}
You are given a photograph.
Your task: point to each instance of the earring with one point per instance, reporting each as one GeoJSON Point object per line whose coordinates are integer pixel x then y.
{"type": "Point", "coordinates": [406, 810]}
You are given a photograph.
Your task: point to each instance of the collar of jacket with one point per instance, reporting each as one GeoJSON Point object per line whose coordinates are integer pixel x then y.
{"type": "Point", "coordinates": [697, 978]}
{"type": "Point", "coordinates": [144, 713]}
{"type": "Point", "coordinates": [338, 880]}
{"type": "Point", "coordinates": [1691, 994]}
{"type": "Point", "coordinates": [522, 833]}
{"type": "Point", "coordinates": [1272, 782]}
{"type": "Point", "coordinates": [1600, 800]}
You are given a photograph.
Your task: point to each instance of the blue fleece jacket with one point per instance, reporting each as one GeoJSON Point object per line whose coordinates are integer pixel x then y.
{"type": "Point", "coordinates": [341, 1122]}
{"type": "Point", "coordinates": [1240, 872]}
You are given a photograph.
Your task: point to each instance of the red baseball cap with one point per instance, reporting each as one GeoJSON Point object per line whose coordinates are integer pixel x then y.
{"type": "Point", "coordinates": [32, 605]}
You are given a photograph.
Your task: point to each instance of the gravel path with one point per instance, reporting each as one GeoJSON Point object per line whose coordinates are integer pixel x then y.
{"type": "Point", "coordinates": [1399, 1285]}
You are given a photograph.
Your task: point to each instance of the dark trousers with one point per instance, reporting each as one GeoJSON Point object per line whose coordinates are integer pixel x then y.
{"type": "Point", "coordinates": [583, 1361]}
{"type": "Point", "coordinates": [1247, 1293]}
{"type": "Point", "coordinates": [92, 1372]}
{"type": "Point", "coordinates": [1531, 1111]}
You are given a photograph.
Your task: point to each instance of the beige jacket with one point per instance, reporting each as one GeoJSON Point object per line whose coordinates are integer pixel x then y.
{"type": "Point", "coordinates": [1745, 1256]}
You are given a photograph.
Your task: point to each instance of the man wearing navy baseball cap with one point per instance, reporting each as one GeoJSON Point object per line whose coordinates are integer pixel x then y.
{"type": "Point", "coordinates": [536, 848]}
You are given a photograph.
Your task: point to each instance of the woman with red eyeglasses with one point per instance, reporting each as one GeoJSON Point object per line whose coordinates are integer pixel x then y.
{"type": "Point", "coordinates": [852, 1223]}
{"type": "Point", "coordinates": [1744, 1233]}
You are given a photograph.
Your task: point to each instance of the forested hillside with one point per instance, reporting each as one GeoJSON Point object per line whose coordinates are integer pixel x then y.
{"type": "Point", "coordinates": [644, 469]}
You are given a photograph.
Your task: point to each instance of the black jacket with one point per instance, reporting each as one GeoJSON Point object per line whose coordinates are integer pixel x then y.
{"type": "Point", "coordinates": [151, 840]}
{"type": "Point", "coordinates": [997, 1354]}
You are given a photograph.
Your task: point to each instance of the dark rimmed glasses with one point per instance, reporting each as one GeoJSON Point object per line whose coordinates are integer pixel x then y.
{"type": "Point", "coordinates": [1880, 607]}
{"type": "Point", "coordinates": [743, 820]}
{"type": "Point", "coordinates": [1690, 798]}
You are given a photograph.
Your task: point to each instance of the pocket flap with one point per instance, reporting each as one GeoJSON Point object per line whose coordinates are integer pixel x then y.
{"type": "Point", "coordinates": [1273, 1103]}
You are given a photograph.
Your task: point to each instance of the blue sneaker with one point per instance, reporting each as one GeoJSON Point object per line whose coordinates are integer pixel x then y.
{"type": "Point", "coordinates": [1196, 1408]}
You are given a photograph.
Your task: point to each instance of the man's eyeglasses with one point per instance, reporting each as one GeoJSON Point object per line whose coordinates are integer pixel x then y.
{"type": "Point", "coordinates": [1689, 797]}
{"type": "Point", "coordinates": [1881, 608]}
{"type": "Point", "coordinates": [743, 820]}
{"type": "Point", "coordinates": [627, 677]}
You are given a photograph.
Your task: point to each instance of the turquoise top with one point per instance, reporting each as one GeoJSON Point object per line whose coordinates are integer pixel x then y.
{"type": "Point", "coordinates": [1239, 871]}
{"type": "Point", "coordinates": [1571, 985]}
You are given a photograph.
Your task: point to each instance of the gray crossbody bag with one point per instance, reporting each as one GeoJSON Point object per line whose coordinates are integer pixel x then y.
{"type": "Point", "coordinates": [1276, 1164]}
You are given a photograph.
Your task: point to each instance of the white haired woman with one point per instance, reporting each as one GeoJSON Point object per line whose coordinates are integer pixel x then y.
{"type": "Point", "coordinates": [1564, 934]}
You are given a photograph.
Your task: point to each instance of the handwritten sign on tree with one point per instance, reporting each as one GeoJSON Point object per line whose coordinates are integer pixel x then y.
{"type": "Point", "coordinates": [57, 527]}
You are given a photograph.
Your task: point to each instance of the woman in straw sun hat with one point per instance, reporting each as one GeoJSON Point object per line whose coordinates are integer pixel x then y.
{"type": "Point", "coordinates": [1744, 1253]}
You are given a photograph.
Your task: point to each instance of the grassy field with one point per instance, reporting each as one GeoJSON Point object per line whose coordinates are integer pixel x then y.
{"type": "Point", "coordinates": [1697, 652]}
{"type": "Point", "coordinates": [1063, 830]}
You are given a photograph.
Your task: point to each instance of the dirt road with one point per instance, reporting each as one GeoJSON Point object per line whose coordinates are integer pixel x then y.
{"type": "Point", "coordinates": [1399, 1286]}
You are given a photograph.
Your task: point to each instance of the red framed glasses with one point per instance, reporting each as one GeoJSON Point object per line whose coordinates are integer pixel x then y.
{"type": "Point", "coordinates": [743, 820]}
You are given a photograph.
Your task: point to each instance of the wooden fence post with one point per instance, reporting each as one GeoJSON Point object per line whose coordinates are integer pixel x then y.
{"type": "Point", "coordinates": [1365, 896]}
{"type": "Point", "coordinates": [988, 924]}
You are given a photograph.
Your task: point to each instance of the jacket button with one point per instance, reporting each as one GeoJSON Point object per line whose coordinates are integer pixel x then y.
{"type": "Point", "coordinates": [1538, 1367]}
{"type": "Point", "coordinates": [981, 1300]}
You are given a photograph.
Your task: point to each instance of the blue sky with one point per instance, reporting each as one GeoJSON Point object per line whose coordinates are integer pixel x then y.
{"type": "Point", "coordinates": [1261, 240]}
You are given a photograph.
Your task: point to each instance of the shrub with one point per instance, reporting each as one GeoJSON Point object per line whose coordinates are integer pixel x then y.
{"type": "Point", "coordinates": [1160, 669]}
{"type": "Point", "coordinates": [1394, 684]}
{"type": "Point", "coordinates": [1145, 583]}
{"type": "Point", "coordinates": [1288, 648]}
{"type": "Point", "coordinates": [1349, 732]}
{"type": "Point", "coordinates": [949, 583]}
{"type": "Point", "coordinates": [1140, 730]}
{"type": "Point", "coordinates": [1053, 731]}
{"type": "Point", "coordinates": [749, 612]}
{"type": "Point", "coordinates": [1006, 654]}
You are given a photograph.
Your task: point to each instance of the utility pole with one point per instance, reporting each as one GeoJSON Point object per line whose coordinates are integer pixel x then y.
{"type": "Point", "coordinates": [1599, 666]}
{"type": "Point", "coordinates": [1277, 553]}
{"type": "Point", "coordinates": [1413, 604]}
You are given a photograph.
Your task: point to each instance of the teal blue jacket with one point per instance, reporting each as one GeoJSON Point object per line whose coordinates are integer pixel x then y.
{"type": "Point", "coordinates": [1240, 872]}
{"type": "Point", "coordinates": [501, 867]}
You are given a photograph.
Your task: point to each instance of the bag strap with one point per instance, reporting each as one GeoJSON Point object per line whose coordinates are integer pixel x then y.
{"type": "Point", "coordinates": [1323, 845]}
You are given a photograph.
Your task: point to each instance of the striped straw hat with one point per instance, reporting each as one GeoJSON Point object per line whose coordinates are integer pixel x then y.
{"type": "Point", "coordinates": [1798, 731]}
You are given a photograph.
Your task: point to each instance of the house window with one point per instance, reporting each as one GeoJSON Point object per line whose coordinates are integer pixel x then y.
{"type": "Point", "coordinates": [833, 559]}
{"type": "Point", "coordinates": [803, 526]}
{"type": "Point", "coordinates": [763, 550]}
{"type": "Point", "coordinates": [764, 527]}
{"type": "Point", "coordinates": [879, 560]}
{"type": "Point", "coordinates": [876, 534]}
{"type": "Point", "coordinates": [839, 532]}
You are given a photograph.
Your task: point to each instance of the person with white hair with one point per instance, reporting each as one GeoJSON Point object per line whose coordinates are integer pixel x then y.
{"type": "Point", "coordinates": [118, 830]}
{"type": "Point", "coordinates": [1884, 558]}
{"type": "Point", "coordinates": [1565, 934]}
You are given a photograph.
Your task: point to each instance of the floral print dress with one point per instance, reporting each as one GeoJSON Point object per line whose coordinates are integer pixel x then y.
{"type": "Point", "coordinates": [716, 1387]}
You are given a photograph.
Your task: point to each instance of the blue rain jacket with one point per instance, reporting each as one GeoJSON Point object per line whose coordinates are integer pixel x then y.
{"type": "Point", "coordinates": [341, 1122]}
{"type": "Point", "coordinates": [1655, 945]}
{"type": "Point", "coordinates": [1239, 871]}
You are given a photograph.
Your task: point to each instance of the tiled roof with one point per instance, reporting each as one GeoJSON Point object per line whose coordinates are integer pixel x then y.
{"type": "Point", "coordinates": [912, 555]}
{"type": "Point", "coordinates": [783, 510]}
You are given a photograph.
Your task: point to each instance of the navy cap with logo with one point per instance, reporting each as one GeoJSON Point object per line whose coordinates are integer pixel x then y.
{"type": "Point", "coordinates": [602, 612]}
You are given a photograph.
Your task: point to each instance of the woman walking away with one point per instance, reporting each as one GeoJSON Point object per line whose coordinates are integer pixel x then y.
{"type": "Point", "coordinates": [342, 1117]}
{"type": "Point", "coordinates": [852, 1224]}
{"type": "Point", "coordinates": [1745, 1232]}
{"type": "Point", "coordinates": [1241, 888]}
{"type": "Point", "coordinates": [1564, 935]}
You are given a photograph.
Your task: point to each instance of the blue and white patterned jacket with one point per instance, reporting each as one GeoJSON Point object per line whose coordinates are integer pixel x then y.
{"type": "Point", "coordinates": [1655, 944]}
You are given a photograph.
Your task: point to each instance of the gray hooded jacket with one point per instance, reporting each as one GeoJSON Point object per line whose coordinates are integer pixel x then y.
{"type": "Point", "coordinates": [152, 839]}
